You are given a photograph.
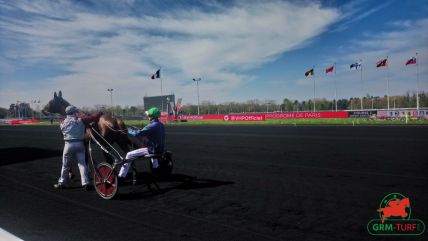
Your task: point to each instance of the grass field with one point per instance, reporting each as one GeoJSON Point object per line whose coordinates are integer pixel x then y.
{"type": "Point", "coordinates": [292, 122]}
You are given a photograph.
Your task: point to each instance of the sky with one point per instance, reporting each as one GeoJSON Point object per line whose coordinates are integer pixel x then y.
{"type": "Point", "coordinates": [242, 50]}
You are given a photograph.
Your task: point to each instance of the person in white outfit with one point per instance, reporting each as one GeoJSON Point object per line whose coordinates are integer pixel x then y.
{"type": "Point", "coordinates": [73, 129]}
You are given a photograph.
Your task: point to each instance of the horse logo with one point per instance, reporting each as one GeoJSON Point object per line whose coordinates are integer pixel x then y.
{"type": "Point", "coordinates": [394, 205]}
{"type": "Point", "coordinates": [394, 218]}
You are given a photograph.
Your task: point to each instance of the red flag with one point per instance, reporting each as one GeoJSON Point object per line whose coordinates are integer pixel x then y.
{"type": "Point", "coordinates": [329, 69]}
{"type": "Point", "coordinates": [411, 61]}
{"type": "Point", "coordinates": [382, 63]}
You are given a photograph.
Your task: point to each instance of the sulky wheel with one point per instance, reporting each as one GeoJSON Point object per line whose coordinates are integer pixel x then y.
{"type": "Point", "coordinates": [105, 181]}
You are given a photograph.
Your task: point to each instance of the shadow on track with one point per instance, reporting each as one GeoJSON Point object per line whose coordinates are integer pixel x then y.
{"type": "Point", "coordinates": [24, 154]}
{"type": "Point", "coordinates": [182, 182]}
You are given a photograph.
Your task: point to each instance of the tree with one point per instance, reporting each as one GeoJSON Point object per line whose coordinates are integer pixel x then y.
{"type": "Point", "coordinates": [3, 113]}
{"type": "Point", "coordinates": [342, 104]}
{"type": "Point", "coordinates": [287, 105]}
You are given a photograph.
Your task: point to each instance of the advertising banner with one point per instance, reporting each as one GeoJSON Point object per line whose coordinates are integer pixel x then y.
{"type": "Point", "coordinates": [230, 117]}
{"type": "Point", "coordinates": [200, 117]}
{"type": "Point", "coordinates": [18, 122]}
{"type": "Point", "coordinates": [295, 115]}
{"type": "Point", "coordinates": [401, 113]}
{"type": "Point", "coordinates": [245, 117]}
{"type": "Point", "coordinates": [361, 114]}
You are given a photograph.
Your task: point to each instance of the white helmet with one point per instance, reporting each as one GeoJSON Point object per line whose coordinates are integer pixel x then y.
{"type": "Point", "coordinates": [70, 110]}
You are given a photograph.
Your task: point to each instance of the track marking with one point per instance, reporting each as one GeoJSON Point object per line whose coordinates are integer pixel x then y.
{"type": "Point", "coordinates": [5, 235]}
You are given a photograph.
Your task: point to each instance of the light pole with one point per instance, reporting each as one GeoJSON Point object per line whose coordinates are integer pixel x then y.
{"type": "Point", "coordinates": [111, 96]}
{"type": "Point", "coordinates": [18, 109]}
{"type": "Point", "coordinates": [167, 108]}
{"type": "Point", "coordinates": [197, 87]}
{"type": "Point", "coordinates": [111, 99]}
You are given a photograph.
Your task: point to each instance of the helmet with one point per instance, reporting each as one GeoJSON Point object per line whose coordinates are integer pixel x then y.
{"type": "Point", "coordinates": [71, 109]}
{"type": "Point", "coordinates": [153, 112]}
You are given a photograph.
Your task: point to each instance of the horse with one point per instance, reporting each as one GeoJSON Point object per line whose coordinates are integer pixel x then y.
{"type": "Point", "coordinates": [396, 208]}
{"type": "Point", "coordinates": [112, 129]}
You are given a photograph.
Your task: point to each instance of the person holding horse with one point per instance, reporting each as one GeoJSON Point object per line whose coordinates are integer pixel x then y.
{"type": "Point", "coordinates": [73, 128]}
{"type": "Point", "coordinates": [154, 133]}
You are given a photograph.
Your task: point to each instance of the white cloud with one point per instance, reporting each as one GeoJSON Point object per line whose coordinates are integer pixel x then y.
{"type": "Point", "coordinates": [355, 12]}
{"type": "Point", "coordinates": [101, 52]}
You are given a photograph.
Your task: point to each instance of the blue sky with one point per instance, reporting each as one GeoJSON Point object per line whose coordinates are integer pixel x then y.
{"type": "Point", "coordinates": [242, 50]}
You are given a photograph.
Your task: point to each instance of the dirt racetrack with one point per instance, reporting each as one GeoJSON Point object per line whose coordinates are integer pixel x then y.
{"type": "Point", "coordinates": [252, 183]}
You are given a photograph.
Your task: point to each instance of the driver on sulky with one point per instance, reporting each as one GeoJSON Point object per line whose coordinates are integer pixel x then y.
{"type": "Point", "coordinates": [154, 132]}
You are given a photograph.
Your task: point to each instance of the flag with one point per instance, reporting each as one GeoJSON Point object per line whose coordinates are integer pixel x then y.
{"type": "Point", "coordinates": [309, 73]}
{"type": "Point", "coordinates": [329, 69]}
{"type": "Point", "coordinates": [382, 63]}
{"type": "Point", "coordinates": [156, 75]}
{"type": "Point", "coordinates": [411, 61]}
{"type": "Point", "coordinates": [355, 65]}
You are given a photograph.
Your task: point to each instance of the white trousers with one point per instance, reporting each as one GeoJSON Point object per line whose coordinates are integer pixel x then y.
{"type": "Point", "coordinates": [71, 150]}
{"type": "Point", "coordinates": [131, 156]}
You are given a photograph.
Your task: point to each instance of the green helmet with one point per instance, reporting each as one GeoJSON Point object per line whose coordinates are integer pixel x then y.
{"type": "Point", "coordinates": [153, 112]}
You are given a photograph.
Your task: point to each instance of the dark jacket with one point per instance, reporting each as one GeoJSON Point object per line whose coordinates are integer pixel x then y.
{"type": "Point", "coordinates": [155, 133]}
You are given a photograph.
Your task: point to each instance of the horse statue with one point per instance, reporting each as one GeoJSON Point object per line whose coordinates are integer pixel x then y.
{"type": "Point", "coordinates": [112, 129]}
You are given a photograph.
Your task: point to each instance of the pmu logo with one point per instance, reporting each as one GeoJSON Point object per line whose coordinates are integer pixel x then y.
{"type": "Point", "coordinates": [394, 217]}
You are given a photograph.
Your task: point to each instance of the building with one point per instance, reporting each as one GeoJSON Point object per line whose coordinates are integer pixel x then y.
{"type": "Point", "coordinates": [161, 102]}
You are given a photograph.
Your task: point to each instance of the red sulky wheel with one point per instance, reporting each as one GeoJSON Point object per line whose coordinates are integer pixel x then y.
{"type": "Point", "coordinates": [105, 181]}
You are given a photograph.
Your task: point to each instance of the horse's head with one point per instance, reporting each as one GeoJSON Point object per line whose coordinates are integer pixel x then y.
{"type": "Point", "coordinates": [56, 106]}
{"type": "Point", "coordinates": [405, 202]}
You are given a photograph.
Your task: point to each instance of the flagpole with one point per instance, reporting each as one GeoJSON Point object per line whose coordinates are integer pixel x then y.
{"type": "Point", "coordinates": [335, 87]}
{"type": "Point", "coordinates": [387, 81]}
{"type": "Point", "coordinates": [417, 83]}
{"type": "Point", "coordinates": [362, 84]}
{"type": "Point", "coordinates": [161, 94]}
{"type": "Point", "coordinates": [313, 77]}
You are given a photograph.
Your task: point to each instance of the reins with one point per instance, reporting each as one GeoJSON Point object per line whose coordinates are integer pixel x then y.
{"type": "Point", "coordinates": [101, 146]}
{"type": "Point", "coordinates": [123, 131]}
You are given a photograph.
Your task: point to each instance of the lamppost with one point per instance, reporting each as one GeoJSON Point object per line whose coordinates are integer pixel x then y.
{"type": "Point", "coordinates": [111, 99]}
{"type": "Point", "coordinates": [111, 96]}
{"type": "Point", "coordinates": [167, 108]}
{"type": "Point", "coordinates": [18, 108]}
{"type": "Point", "coordinates": [197, 87]}
{"type": "Point", "coordinates": [267, 106]}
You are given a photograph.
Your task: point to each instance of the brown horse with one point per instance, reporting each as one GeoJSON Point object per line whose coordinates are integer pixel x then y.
{"type": "Point", "coordinates": [111, 128]}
